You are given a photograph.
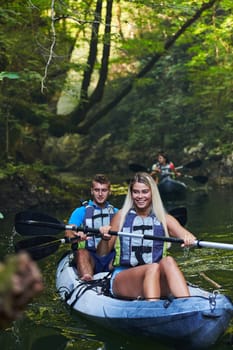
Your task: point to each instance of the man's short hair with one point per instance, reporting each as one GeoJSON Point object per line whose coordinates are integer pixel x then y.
{"type": "Point", "coordinates": [101, 178]}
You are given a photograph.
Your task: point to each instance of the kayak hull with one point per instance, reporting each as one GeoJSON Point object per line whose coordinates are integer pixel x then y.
{"type": "Point", "coordinates": [168, 186]}
{"type": "Point", "coordinates": [197, 322]}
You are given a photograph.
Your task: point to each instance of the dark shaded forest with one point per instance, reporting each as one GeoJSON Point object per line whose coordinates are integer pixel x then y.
{"type": "Point", "coordinates": [96, 85]}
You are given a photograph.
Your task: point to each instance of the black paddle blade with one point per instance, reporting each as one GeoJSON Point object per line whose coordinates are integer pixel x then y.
{"type": "Point", "coordinates": [193, 164]}
{"type": "Point", "coordinates": [180, 214]}
{"type": "Point", "coordinates": [201, 179]}
{"type": "Point", "coordinates": [38, 247]}
{"type": "Point", "coordinates": [24, 229]}
{"type": "Point", "coordinates": [137, 167]}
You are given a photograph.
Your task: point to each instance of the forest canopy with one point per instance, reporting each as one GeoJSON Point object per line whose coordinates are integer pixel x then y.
{"type": "Point", "coordinates": [107, 82]}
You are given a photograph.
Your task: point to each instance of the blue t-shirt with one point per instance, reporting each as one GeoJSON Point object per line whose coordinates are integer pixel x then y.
{"type": "Point", "coordinates": [78, 215]}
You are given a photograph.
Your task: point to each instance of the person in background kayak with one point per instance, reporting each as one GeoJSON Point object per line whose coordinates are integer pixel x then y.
{"type": "Point", "coordinates": [163, 167]}
{"type": "Point", "coordinates": [145, 270]}
{"type": "Point", "coordinates": [93, 213]}
{"type": "Point", "coordinates": [20, 282]}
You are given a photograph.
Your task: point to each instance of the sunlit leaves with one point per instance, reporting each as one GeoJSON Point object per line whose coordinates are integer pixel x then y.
{"type": "Point", "coordinates": [9, 75]}
{"type": "Point", "coordinates": [188, 87]}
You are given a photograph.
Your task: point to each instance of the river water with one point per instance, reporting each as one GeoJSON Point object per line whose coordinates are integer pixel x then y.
{"type": "Point", "coordinates": [48, 324]}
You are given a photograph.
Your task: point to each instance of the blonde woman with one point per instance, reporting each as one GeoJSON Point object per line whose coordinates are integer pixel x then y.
{"type": "Point", "coordinates": [145, 271]}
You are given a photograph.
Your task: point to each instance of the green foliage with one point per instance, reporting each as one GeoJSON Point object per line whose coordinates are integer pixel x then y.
{"type": "Point", "coordinates": [9, 75]}
{"type": "Point", "coordinates": [10, 169]}
{"type": "Point", "coordinates": [185, 98]}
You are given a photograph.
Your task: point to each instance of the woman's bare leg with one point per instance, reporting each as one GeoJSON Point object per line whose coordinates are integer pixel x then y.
{"type": "Point", "coordinates": [141, 281]}
{"type": "Point", "coordinates": [172, 279]}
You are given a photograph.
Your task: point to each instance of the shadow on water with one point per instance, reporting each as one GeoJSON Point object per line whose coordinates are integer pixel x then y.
{"type": "Point", "coordinates": [118, 341]}
{"type": "Point", "coordinates": [79, 335]}
{"type": "Point", "coordinates": [49, 325]}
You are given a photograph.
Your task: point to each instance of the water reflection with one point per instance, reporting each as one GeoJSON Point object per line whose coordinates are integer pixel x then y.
{"type": "Point", "coordinates": [50, 325]}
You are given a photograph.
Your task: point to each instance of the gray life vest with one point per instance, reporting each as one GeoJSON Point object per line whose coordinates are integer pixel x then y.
{"type": "Point", "coordinates": [138, 251]}
{"type": "Point", "coordinates": [165, 169]}
{"type": "Point", "coordinates": [96, 217]}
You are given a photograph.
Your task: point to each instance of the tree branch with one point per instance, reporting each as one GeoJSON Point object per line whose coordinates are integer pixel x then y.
{"type": "Point", "coordinates": [53, 19]}
{"type": "Point", "coordinates": [94, 117]}
{"type": "Point", "coordinates": [86, 103]}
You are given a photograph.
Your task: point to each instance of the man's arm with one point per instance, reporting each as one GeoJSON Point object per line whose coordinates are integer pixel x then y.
{"type": "Point", "coordinates": [76, 218]}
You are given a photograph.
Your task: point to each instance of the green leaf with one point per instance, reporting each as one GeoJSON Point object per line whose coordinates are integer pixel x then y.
{"type": "Point", "coordinates": [9, 75]}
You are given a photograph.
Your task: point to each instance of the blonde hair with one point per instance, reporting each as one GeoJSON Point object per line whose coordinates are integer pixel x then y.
{"type": "Point", "coordinates": [156, 203]}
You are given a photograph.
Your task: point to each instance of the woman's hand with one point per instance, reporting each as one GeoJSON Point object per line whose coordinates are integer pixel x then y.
{"type": "Point", "coordinates": [156, 170]}
{"type": "Point", "coordinates": [189, 240]}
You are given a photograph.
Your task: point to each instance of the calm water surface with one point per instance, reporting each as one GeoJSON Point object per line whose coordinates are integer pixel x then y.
{"type": "Point", "coordinates": [48, 324]}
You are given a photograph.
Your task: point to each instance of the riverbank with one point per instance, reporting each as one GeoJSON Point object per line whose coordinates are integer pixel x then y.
{"type": "Point", "coordinates": [20, 191]}
{"type": "Point", "coordinates": [31, 188]}
{"type": "Point", "coordinates": [28, 190]}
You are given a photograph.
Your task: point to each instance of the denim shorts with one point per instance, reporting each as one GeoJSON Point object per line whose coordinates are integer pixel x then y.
{"type": "Point", "coordinates": [115, 272]}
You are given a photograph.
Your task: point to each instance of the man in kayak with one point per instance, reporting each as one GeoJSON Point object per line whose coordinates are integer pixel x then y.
{"type": "Point", "coordinates": [20, 282]}
{"type": "Point", "coordinates": [94, 214]}
{"type": "Point", "coordinates": [145, 270]}
{"type": "Point", "coordinates": [163, 167]}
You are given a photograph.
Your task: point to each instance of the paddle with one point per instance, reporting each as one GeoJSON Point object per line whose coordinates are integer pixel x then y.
{"type": "Point", "coordinates": [137, 167]}
{"type": "Point", "coordinates": [47, 225]}
{"type": "Point", "coordinates": [39, 247]}
{"type": "Point", "coordinates": [180, 214]}
{"type": "Point", "coordinates": [190, 165]}
{"type": "Point", "coordinates": [198, 178]}
{"type": "Point", "coordinates": [22, 228]}
{"type": "Point", "coordinates": [42, 246]}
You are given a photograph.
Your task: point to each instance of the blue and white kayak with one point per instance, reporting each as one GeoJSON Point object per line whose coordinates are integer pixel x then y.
{"type": "Point", "coordinates": [197, 321]}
